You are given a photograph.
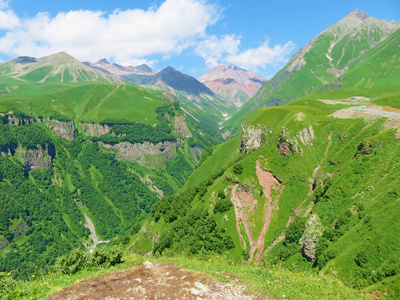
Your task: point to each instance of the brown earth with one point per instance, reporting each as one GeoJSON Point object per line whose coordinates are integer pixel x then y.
{"type": "Point", "coordinates": [243, 204]}
{"type": "Point", "coordinates": [154, 281]}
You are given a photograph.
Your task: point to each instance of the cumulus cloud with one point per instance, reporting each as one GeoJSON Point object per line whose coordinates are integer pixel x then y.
{"type": "Point", "coordinates": [128, 35]}
{"type": "Point", "coordinates": [212, 49]}
{"type": "Point", "coordinates": [8, 19]}
{"type": "Point", "coordinates": [264, 55]}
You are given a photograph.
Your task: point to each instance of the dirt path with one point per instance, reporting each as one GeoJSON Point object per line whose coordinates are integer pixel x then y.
{"type": "Point", "coordinates": [373, 112]}
{"type": "Point", "coordinates": [153, 281]}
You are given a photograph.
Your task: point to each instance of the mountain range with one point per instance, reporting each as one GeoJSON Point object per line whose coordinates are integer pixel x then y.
{"type": "Point", "coordinates": [300, 171]}
{"type": "Point", "coordinates": [325, 62]}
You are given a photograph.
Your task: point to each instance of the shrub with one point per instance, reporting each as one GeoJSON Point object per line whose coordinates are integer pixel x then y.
{"type": "Point", "coordinates": [75, 261]}
{"type": "Point", "coordinates": [238, 169]}
{"type": "Point", "coordinates": [104, 257]}
{"type": "Point", "coordinates": [222, 205]}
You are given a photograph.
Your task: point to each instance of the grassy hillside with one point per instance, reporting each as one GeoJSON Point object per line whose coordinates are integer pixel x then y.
{"type": "Point", "coordinates": [85, 161]}
{"type": "Point", "coordinates": [298, 168]}
{"type": "Point", "coordinates": [350, 53]}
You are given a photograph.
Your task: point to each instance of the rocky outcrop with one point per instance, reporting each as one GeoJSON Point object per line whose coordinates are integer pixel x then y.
{"type": "Point", "coordinates": [17, 121]}
{"type": "Point", "coordinates": [313, 231]}
{"type": "Point", "coordinates": [93, 129]}
{"type": "Point", "coordinates": [147, 154]}
{"type": "Point", "coordinates": [9, 149]}
{"type": "Point", "coordinates": [287, 144]}
{"type": "Point", "coordinates": [252, 137]}
{"type": "Point", "coordinates": [306, 135]}
{"type": "Point", "coordinates": [3, 244]}
{"type": "Point", "coordinates": [181, 127]}
{"type": "Point", "coordinates": [62, 129]}
{"type": "Point", "coordinates": [40, 158]}
{"type": "Point", "coordinates": [20, 229]}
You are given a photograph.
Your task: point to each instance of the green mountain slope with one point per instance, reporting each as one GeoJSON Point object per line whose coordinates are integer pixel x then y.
{"type": "Point", "coordinates": [327, 62]}
{"type": "Point", "coordinates": [299, 186]}
{"type": "Point", "coordinates": [85, 161]}
{"type": "Point", "coordinates": [59, 67]}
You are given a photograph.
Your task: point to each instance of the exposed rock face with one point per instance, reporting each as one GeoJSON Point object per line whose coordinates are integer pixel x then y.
{"type": "Point", "coordinates": [233, 83]}
{"type": "Point", "coordinates": [62, 129]}
{"type": "Point", "coordinates": [40, 158]}
{"type": "Point", "coordinates": [20, 230]}
{"type": "Point", "coordinates": [306, 135]}
{"type": "Point", "coordinates": [147, 154]}
{"type": "Point", "coordinates": [252, 137]}
{"type": "Point", "coordinates": [17, 121]}
{"type": "Point", "coordinates": [181, 127]}
{"type": "Point", "coordinates": [93, 129]}
{"type": "Point", "coordinates": [313, 231]}
{"type": "Point", "coordinates": [9, 149]}
{"type": "Point", "coordinates": [284, 148]}
{"type": "Point", "coordinates": [287, 143]}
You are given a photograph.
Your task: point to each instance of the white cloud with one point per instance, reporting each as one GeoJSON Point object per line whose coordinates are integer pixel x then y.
{"type": "Point", "coordinates": [8, 19]}
{"type": "Point", "coordinates": [213, 49]}
{"type": "Point", "coordinates": [252, 59]}
{"type": "Point", "coordinates": [122, 35]}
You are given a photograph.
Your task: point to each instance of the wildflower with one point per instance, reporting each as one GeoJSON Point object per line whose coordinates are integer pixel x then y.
{"type": "Point", "coordinates": [8, 274]}
{"type": "Point", "coordinates": [33, 276]}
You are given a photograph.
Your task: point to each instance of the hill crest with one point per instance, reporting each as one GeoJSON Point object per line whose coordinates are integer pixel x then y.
{"type": "Point", "coordinates": [60, 67]}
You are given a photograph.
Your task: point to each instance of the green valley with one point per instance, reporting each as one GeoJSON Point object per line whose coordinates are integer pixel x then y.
{"type": "Point", "coordinates": [295, 193]}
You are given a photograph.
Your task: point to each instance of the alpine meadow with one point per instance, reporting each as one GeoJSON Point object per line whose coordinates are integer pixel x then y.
{"type": "Point", "coordinates": [121, 181]}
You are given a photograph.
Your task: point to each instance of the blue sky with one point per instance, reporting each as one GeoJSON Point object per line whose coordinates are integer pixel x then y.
{"type": "Point", "coordinates": [189, 35]}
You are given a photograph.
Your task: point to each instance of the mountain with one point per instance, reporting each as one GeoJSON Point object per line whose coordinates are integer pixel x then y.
{"type": "Point", "coordinates": [233, 83]}
{"type": "Point", "coordinates": [173, 78]}
{"type": "Point", "coordinates": [186, 89]}
{"type": "Point", "coordinates": [59, 67]}
{"type": "Point", "coordinates": [324, 63]}
{"type": "Point", "coordinates": [84, 161]}
{"type": "Point", "coordinates": [312, 184]}
{"type": "Point", "coordinates": [118, 70]}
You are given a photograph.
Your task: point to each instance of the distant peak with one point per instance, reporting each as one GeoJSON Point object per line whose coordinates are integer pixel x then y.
{"type": "Point", "coordinates": [169, 68]}
{"type": "Point", "coordinates": [224, 66]}
{"type": "Point", "coordinates": [103, 61]}
{"type": "Point", "coordinates": [356, 13]}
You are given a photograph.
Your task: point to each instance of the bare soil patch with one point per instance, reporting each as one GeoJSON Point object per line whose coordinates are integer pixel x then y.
{"type": "Point", "coordinates": [153, 281]}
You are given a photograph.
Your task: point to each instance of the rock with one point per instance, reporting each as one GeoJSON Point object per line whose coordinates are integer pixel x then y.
{"type": "Point", "coordinates": [18, 121]}
{"type": "Point", "coordinates": [40, 158]}
{"type": "Point", "coordinates": [146, 154]}
{"type": "Point", "coordinates": [201, 286]}
{"type": "Point", "coordinates": [252, 137]}
{"type": "Point", "coordinates": [181, 127]}
{"type": "Point", "coordinates": [284, 148]}
{"type": "Point", "coordinates": [20, 229]}
{"type": "Point", "coordinates": [195, 291]}
{"type": "Point", "coordinates": [93, 129]}
{"type": "Point", "coordinates": [148, 265]}
{"type": "Point", "coordinates": [65, 130]}
{"type": "Point", "coordinates": [313, 231]}
{"type": "Point", "coordinates": [307, 135]}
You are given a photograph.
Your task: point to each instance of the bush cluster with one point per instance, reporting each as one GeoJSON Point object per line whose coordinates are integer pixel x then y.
{"type": "Point", "coordinates": [77, 260]}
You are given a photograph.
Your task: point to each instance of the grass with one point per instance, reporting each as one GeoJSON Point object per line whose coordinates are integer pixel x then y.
{"type": "Point", "coordinates": [274, 281]}
{"type": "Point", "coordinates": [85, 102]}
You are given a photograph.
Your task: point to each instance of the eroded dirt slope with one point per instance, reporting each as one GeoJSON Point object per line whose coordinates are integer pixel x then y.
{"type": "Point", "coordinates": [153, 281]}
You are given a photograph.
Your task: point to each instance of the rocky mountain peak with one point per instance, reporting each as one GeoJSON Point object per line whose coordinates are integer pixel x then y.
{"type": "Point", "coordinates": [358, 14]}
{"type": "Point", "coordinates": [233, 83]}
{"type": "Point", "coordinates": [103, 61]}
